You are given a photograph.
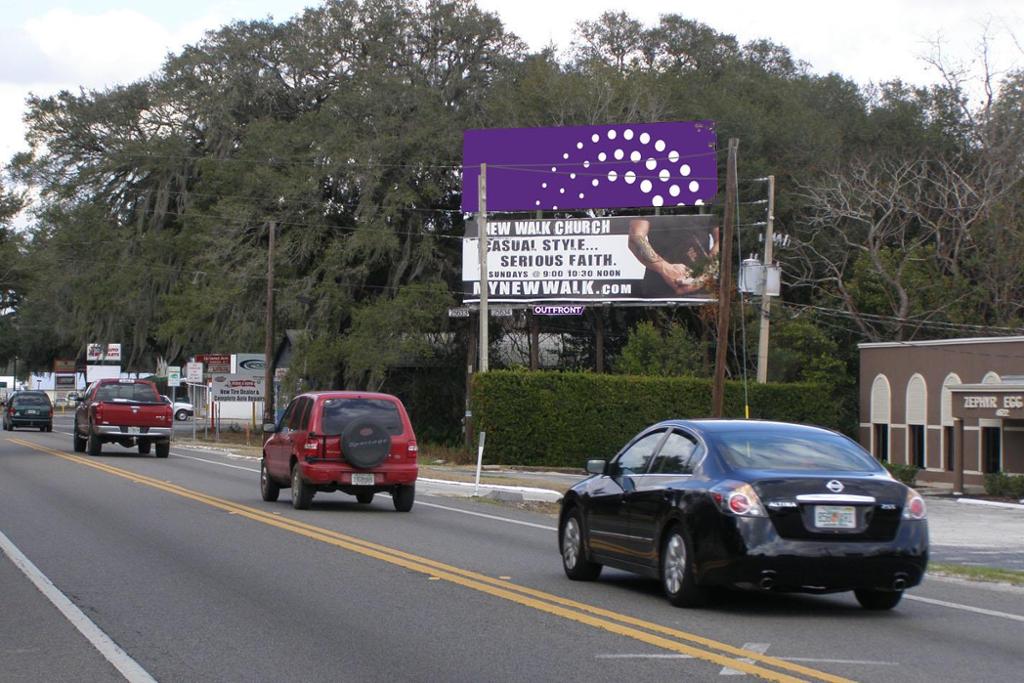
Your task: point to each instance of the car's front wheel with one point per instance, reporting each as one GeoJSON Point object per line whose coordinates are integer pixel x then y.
{"type": "Point", "coordinates": [877, 600]}
{"type": "Point", "coordinates": [269, 489]}
{"type": "Point", "coordinates": [302, 493]}
{"type": "Point", "coordinates": [677, 577]}
{"type": "Point", "coordinates": [181, 415]}
{"type": "Point", "coordinates": [574, 561]}
{"type": "Point", "coordinates": [403, 497]}
{"type": "Point", "coordinates": [163, 449]}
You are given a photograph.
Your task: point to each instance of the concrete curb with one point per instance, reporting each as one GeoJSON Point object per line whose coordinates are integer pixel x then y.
{"type": "Point", "coordinates": [990, 503]}
{"type": "Point", "coordinates": [464, 489]}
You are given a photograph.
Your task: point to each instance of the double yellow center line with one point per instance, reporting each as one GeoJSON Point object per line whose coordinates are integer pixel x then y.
{"type": "Point", "coordinates": [670, 639]}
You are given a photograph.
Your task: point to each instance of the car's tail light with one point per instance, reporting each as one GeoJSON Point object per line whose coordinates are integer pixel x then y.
{"type": "Point", "coordinates": [737, 498]}
{"type": "Point", "coordinates": [312, 447]}
{"type": "Point", "coordinates": [413, 450]}
{"type": "Point", "coordinates": [99, 413]}
{"type": "Point", "coordinates": [914, 508]}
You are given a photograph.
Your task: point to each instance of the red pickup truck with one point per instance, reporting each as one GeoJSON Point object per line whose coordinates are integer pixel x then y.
{"type": "Point", "coordinates": [125, 411]}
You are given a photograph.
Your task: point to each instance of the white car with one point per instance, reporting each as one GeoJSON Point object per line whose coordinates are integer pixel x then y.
{"type": "Point", "coordinates": [182, 409]}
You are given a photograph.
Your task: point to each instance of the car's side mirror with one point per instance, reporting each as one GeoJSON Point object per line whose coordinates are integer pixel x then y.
{"type": "Point", "coordinates": [269, 428]}
{"type": "Point", "coordinates": [596, 466]}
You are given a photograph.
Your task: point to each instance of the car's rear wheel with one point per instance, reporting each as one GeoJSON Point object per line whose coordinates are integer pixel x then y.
{"type": "Point", "coordinates": [302, 493]}
{"type": "Point", "coordinates": [365, 497]}
{"type": "Point", "coordinates": [144, 447]}
{"type": "Point", "coordinates": [403, 497]}
{"type": "Point", "coordinates": [876, 599]}
{"type": "Point", "coordinates": [93, 444]}
{"type": "Point", "coordinates": [181, 415]}
{"type": "Point", "coordinates": [49, 428]}
{"type": "Point", "coordinates": [77, 441]}
{"type": "Point", "coordinates": [269, 489]}
{"type": "Point", "coordinates": [574, 560]}
{"type": "Point", "coordinates": [677, 578]}
{"type": "Point", "coordinates": [163, 449]}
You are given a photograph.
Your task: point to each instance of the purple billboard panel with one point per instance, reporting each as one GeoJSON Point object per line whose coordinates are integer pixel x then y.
{"type": "Point", "coordinates": [591, 167]}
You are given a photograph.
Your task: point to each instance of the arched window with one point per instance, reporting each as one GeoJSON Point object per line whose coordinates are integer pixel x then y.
{"type": "Point", "coordinates": [991, 378]}
{"type": "Point", "coordinates": [881, 416]}
{"type": "Point", "coordinates": [917, 419]}
{"type": "Point", "coordinates": [946, 405]}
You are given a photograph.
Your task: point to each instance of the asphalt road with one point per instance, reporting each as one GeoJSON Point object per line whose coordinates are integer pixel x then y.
{"type": "Point", "coordinates": [190, 576]}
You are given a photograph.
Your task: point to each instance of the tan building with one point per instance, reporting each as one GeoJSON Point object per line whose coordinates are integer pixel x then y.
{"type": "Point", "coordinates": [915, 396]}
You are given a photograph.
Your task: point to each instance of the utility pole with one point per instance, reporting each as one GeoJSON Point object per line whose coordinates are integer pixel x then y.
{"type": "Point", "coordinates": [268, 342]}
{"type": "Point", "coordinates": [725, 282]}
{"type": "Point", "coordinates": [481, 218]}
{"type": "Point", "coordinates": [766, 301]}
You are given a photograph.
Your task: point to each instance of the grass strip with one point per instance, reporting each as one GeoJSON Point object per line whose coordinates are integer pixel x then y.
{"type": "Point", "coordinates": [986, 574]}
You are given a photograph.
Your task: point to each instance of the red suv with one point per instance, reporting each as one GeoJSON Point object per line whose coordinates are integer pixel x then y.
{"type": "Point", "coordinates": [356, 442]}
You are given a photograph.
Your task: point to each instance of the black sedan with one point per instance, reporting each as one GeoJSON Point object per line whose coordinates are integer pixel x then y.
{"type": "Point", "coordinates": [760, 505]}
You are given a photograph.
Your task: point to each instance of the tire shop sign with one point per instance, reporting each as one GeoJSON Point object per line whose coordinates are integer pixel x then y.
{"type": "Point", "coordinates": [237, 388]}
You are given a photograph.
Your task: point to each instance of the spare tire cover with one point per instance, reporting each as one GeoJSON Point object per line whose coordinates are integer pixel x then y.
{"type": "Point", "coordinates": [365, 443]}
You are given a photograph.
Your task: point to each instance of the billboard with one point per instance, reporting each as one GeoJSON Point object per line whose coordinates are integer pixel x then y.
{"type": "Point", "coordinates": [249, 364]}
{"type": "Point", "coordinates": [591, 167]}
{"type": "Point", "coordinates": [97, 353]}
{"type": "Point", "coordinates": [216, 363]}
{"type": "Point", "coordinates": [237, 388]}
{"type": "Point", "coordinates": [620, 258]}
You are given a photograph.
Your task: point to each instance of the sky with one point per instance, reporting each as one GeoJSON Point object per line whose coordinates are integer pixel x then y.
{"type": "Point", "coordinates": [50, 45]}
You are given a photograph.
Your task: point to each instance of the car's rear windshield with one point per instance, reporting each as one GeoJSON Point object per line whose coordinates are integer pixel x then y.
{"type": "Point", "coordinates": [31, 400]}
{"type": "Point", "coordinates": [777, 450]}
{"type": "Point", "coordinates": [130, 392]}
{"type": "Point", "coordinates": [338, 413]}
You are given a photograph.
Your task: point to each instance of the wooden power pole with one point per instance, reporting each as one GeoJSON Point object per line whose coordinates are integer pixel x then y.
{"type": "Point", "coordinates": [268, 342]}
{"type": "Point", "coordinates": [725, 282]}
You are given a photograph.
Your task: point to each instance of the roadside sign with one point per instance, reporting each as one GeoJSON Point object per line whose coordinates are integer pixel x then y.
{"type": "Point", "coordinates": [248, 364]}
{"type": "Point", "coordinates": [216, 363]}
{"type": "Point", "coordinates": [237, 388]}
{"type": "Point", "coordinates": [174, 375]}
{"type": "Point", "coordinates": [194, 372]}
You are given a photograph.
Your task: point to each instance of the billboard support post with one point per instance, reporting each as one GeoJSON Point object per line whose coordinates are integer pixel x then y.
{"type": "Point", "coordinates": [766, 301]}
{"type": "Point", "coordinates": [481, 218]}
{"type": "Point", "coordinates": [725, 283]}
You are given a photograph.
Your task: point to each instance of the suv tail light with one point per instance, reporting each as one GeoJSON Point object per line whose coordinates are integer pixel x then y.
{"type": "Point", "coordinates": [413, 450]}
{"type": "Point", "coordinates": [738, 499]}
{"type": "Point", "coordinates": [311, 447]}
{"type": "Point", "coordinates": [99, 412]}
{"type": "Point", "coordinates": [914, 508]}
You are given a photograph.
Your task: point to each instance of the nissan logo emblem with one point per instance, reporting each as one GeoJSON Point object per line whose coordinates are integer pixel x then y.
{"type": "Point", "coordinates": [835, 486]}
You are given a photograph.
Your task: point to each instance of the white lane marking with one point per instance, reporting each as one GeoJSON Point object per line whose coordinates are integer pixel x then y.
{"type": "Point", "coordinates": [214, 462]}
{"type": "Point", "coordinates": [965, 608]}
{"type": "Point", "coordinates": [485, 516]}
{"type": "Point", "coordinates": [759, 648]}
{"type": "Point", "coordinates": [651, 656]}
{"type": "Point", "coordinates": [113, 653]}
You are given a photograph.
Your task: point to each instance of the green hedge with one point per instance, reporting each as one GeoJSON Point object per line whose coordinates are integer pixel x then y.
{"type": "Point", "coordinates": [1003, 485]}
{"type": "Point", "coordinates": [563, 418]}
{"type": "Point", "coordinates": [904, 473]}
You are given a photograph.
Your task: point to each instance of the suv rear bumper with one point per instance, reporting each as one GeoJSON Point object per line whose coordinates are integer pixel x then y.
{"type": "Point", "coordinates": [338, 474]}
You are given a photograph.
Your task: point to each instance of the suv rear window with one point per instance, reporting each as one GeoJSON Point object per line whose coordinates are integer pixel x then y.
{"type": "Point", "coordinates": [31, 400]}
{"type": "Point", "coordinates": [135, 393]}
{"type": "Point", "coordinates": [772, 450]}
{"type": "Point", "coordinates": [337, 413]}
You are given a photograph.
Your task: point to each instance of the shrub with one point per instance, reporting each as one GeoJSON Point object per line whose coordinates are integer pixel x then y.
{"type": "Point", "coordinates": [563, 418]}
{"type": "Point", "coordinates": [905, 473]}
{"type": "Point", "coordinates": [1004, 485]}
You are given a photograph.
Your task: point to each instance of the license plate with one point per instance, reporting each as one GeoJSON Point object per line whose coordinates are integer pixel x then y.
{"type": "Point", "coordinates": [134, 430]}
{"type": "Point", "coordinates": [31, 412]}
{"type": "Point", "coordinates": [362, 479]}
{"type": "Point", "coordinates": [835, 516]}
